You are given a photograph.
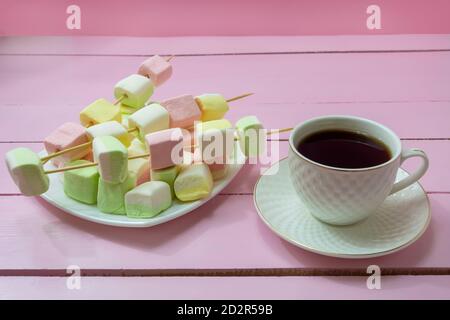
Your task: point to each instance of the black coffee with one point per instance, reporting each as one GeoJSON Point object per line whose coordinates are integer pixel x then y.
{"type": "Point", "coordinates": [344, 149]}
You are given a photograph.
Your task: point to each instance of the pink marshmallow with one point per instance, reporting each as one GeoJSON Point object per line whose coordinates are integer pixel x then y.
{"type": "Point", "coordinates": [67, 135]}
{"type": "Point", "coordinates": [157, 69]}
{"type": "Point", "coordinates": [89, 156]}
{"type": "Point", "coordinates": [166, 148]}
{"type": "Point", "coordinates": [183, 111]}
{"type": "Point", "coordinates": [144, 177]}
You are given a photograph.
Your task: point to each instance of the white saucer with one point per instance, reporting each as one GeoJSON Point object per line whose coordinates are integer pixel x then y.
{"type": "Point", "coordinates": [399, 221]}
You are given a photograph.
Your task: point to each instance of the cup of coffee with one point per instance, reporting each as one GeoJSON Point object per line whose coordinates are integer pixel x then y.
{"type": "Point", "coordinates": [344, 167]}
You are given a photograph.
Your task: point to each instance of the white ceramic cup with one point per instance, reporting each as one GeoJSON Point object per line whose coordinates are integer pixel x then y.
{"type": "Point", "coordinates": [345, 196]}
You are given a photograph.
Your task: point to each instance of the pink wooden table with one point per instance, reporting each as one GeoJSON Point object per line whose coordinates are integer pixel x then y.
{"type": "Point", "coordinates": [222, 250]}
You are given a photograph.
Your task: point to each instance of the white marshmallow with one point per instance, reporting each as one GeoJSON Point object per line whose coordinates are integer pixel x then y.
{"type": "Point", "coordinates": [109, 128]}
{"type": "Point", "coordinates": [148, 199]}
{"type": "Point", "coordinates": [112, 158]}
{"type": "Point", "coordinates": [151, 118]}
{"type": "Point", "coordinates": [136, 88]}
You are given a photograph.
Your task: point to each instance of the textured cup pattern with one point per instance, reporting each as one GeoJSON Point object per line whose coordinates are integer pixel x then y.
{"type": "Point", "coordinates": [337, 196]}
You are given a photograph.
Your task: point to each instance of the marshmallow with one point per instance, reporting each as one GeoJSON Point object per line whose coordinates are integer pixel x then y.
{"type": "Point", "coordinates": [148, 200]}
{"type": "Point", "coordinates": [167, 175]}
{"type": "Point", "coordinates": [137, 90]}
{"type": "Point", "coordinates": [81, 184]}
{"type": "Point", "coordinates": [109, 128]}
{"type": "Point", "coordinates": [65, 136]}
{"type": "Point", "coordinates": [140, 168]}
{"type": "Point", "coordinates": [126, 110]}
{"type": "Point", "coordinates": [137, 147]}
{"type": "Point", "coordinates": [183, 111]}
{"type": "Point", "coordinates": [218, 170]}
{"type": "Point", "coordinates": [213, 106]}
{"type": "Point", "coordinates": [188, 139]}
{"type": "Point", "coordinates": [25, 168]}
{"type": "Point", "coordinates": [193, 182]}
{"type": "Point", "coordinates": [89, 156]}
{"type": "Point", "coordinates": [100, 111]}
{"type": "Point", "coordinates": [112, 159]}
{"type": "Point", "coordinates": [215, 140]}
{"type": "Point", "coordinates": [111, 196]}
{"type": "Point", "coordinates": [124, 121]}
{"type": "Point", "coordinates": [156, 68]}
{"type": "Point", "coordinates": [166, 148]}
{"type": "Point", "coordinates": [252, 136]}
{"type": "Point", "coordinates": [149, 119]}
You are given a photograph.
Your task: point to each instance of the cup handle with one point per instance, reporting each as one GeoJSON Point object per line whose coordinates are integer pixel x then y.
{"type": "Point", "coordinates": [409, 153]}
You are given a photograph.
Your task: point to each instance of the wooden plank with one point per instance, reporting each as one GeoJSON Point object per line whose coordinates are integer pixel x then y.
{"type": "Point", "coordinates": [285, 79]}
{"type": "Point", "coordinates": [143, 46]}
{"type": "Point", "coordinates": [225, 233]}
{"type": "Point", "coordinates": [401, 287]}
{"type": "Point", "coordinates": [407, 92]}
{"type": "Point", "coordinates": [413, 120]}
{"type": "Point", "coordinates": [437, 178]}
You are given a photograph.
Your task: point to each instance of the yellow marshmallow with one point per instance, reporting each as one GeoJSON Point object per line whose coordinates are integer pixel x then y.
{"type": "Point", "coordinates": [193, 183]}
{"type": "Point", "coordinates": [213, 106]}
{"type": "Point", "coordinates": [100, 111]}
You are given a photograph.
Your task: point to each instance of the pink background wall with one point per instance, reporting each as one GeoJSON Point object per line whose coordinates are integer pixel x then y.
{"type": "Point", "coordinates": [220, 17]}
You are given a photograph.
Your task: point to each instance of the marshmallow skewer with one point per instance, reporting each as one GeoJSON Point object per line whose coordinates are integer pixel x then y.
{"type": "Point", "coordinates": [64, 151]}
{"type": "Point", "coordinates": [119, 99]}
{"type": "Point", "coordinates": [93, 164]}
{"type": "Point", "coordinates": [80, 146]}
{"type": "Point", "coordinates": [145, 155]}
{"type": "Point", "coordinates": [56, 154]}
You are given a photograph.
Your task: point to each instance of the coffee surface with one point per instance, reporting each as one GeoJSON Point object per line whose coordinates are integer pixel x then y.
{"type": "Point", "coordinates": [344, 149]}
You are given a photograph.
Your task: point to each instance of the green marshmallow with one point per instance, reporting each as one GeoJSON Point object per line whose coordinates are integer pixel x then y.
{"type": "Point", "coordinates": [25, 168]}
{"type": "Point", "coordinates": [81, 184]}
{"type": "Point", "coordinates": [252, 137]}
{"type": "Point", "coordinates": [110, 197]}
{"type": "Point", "coordinates": [148, 199]}
{"type": "Point", "coordinates": [167, 175]}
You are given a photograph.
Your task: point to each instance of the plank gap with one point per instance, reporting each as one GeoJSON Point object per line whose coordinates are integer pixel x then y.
{"type": "Point", "coordinates": [257, 272]}
{"type": "Point", "coordinates": [228, 53]}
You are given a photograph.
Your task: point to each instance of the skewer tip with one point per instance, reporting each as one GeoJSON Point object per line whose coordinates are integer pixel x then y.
{"type": "Point", "coordinates": [240, 96]}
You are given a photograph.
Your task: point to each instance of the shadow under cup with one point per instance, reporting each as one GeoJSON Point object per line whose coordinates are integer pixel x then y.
{"type": "Point", "coordinates": [343, 196]}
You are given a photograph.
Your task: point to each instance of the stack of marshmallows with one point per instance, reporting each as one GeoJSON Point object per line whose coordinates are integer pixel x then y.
{"type": "Point", "coordinates": [172, 146]}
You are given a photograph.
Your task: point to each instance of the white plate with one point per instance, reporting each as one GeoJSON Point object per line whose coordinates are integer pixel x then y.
{"type": "Point", "coordinates": [56, 196]}
{"type": "Point", "coordinates": [398, 222]}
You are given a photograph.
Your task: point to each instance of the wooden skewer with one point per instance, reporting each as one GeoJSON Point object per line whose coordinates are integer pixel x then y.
{"type": "Point", "coordinates": [80, 146]}
{"type": "Point", "coordinates": [170, 58]}
{"type": "Point", "coordinates": [279, 131]}
{"type": "Point", "coordinates": [56, 154]}
{"type": "Point", "coordinates": [239, 97]}
{"type": "Point", "coordinates": [87, 165]}
{"type": "Point", "coordinates": [119, 100]}
{"type": "Point", "coordinates": [133, 129]}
